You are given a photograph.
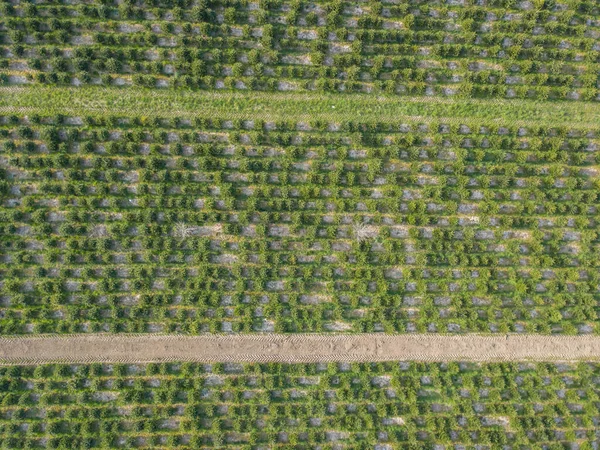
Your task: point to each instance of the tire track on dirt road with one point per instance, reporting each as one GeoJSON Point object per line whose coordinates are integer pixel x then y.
{"type": "Point", "coordinates": [86, 348]}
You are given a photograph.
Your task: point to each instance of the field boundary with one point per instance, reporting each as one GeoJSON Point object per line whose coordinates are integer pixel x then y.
{"type": "Point", "coordinates": [107, 348]}
{"type": "Point", "coordinates": [94, 100]}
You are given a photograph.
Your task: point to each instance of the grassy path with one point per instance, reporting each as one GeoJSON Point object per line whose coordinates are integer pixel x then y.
{"type": "Point", "coordinates": [275, 106]}
{"type": "Point", "coordinates": [295, 348]}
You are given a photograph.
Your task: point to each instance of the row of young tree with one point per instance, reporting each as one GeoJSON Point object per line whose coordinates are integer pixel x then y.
{"type": "Point", "coordinates": [407, 405]}
{"type": "Point", "coordinates": [129, 223]}
{"type": "Point", "coordinates": [398, 49]}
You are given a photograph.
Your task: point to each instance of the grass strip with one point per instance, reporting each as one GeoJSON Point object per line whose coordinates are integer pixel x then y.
{"type": "Point", "coordinates": [93, 100]}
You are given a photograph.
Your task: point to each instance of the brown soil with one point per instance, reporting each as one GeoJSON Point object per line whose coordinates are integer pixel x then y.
{"type": "Point", "coordinates": [294, 348]}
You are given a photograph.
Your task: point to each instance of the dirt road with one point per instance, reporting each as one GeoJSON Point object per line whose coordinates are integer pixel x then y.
{"type": "Point", "coordinates": [294, 348]}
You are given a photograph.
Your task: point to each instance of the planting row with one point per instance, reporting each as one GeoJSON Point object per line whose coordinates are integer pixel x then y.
{"type": "Point", "coordinates": [301, 406]}
{"type": "Point", "coordinates": [125, 224]}
{"type": "Point", "coordinates": [547, 49]}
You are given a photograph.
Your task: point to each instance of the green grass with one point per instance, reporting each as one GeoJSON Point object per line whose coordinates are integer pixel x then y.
{"type": "Point", "coordinates": [276, 106]}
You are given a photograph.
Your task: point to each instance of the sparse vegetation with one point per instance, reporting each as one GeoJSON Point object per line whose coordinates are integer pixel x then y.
{"type": "Point", "coordinates": [182, 231]}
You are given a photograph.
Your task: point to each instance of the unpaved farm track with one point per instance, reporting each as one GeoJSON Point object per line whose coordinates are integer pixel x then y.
{"type": "Point", "coordinates": [294, 348]}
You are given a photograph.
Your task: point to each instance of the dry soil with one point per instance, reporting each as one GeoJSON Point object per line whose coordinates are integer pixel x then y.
{"type": "Point", "coordinates": [294, 348]}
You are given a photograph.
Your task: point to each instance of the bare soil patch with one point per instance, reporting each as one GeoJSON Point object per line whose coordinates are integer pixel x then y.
{"type": "Point", "coordinates": [295, 348]}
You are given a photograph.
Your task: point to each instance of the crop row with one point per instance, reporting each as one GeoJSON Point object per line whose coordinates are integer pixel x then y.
{"type": "Point", "coordinates": [127, 224]}
{"type": "Point", "coordinates": [548, 51]}
{"type": "Point", "coordinates": [388, 405]}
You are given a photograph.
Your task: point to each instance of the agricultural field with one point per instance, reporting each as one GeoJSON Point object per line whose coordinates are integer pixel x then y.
{"type": "Point", "coordinates": [357, 406]}
{"type": "Point", "coordinates": [205, 224]}
{"type": "Point", "coordinates": [287, 166]}
{"type": "Point", "coordinates": [187, 186]}
{"type": "Point", "coordinates": [430, 167]}
{"type": "Point", "coordinates": [541, 49]}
